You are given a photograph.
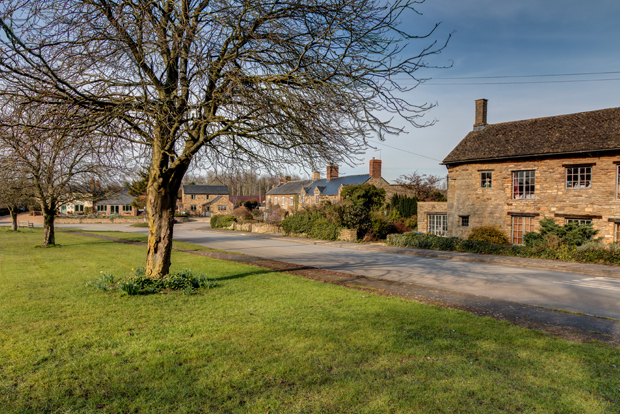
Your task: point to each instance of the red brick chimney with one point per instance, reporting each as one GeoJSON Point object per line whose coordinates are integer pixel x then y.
{"type": "Point", "coordinates": [332, 171]}
{"type": "Point", "coordinates": [375, 168]}
{"type": "Point", "coordinates": [481, 114]}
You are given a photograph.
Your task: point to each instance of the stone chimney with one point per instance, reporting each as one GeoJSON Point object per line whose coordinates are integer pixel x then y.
{"type": "Point", "coordinates": [375, 168]}
{"type": "Point", "coordinates": [481, 114]}
{"type": "Point", "coordinates": [287, 178]}
{"type": "Point", "coordinates": [332, 171]}
{"type": "Point", "coordinates": [316, 176]}
{"type": "Point", "coordinates": [280, 180]}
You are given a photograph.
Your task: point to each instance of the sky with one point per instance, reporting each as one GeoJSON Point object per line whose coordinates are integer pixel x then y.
{"type": "Point", "coordinates": [503, 38]}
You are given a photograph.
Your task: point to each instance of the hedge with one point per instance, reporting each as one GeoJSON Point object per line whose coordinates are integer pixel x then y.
{"type": "Point", "coordinates": [593, 252]}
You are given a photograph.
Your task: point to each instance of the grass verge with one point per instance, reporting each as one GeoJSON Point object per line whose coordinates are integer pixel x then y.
{"type": "Point", "coordinates": [264, 342]}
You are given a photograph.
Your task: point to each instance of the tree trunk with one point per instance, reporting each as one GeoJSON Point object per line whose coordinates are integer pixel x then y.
{"type": "Point", "coordinates": [49, 238]}
{"type": "Point", "coordinates": [160, 208]}
{"type": "Point", "coordinates": [13, 212]}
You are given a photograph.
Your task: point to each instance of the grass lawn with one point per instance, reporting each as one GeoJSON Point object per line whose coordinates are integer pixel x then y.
{"type": "Point", "coordinates": [144, 238]}
{"type": "Point", "coordinates": [264, 342]}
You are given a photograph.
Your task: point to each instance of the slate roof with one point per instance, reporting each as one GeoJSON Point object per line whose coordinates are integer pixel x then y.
{"type": "Point", "coordinates": [331, 187]}
{"type": "Point", "coordinates": [292, 187]}
{"type": "Point", "coordinates": [564, 134]}
{"type": "Point", "coordinates": [118, 199]}
{"type": "Point", "coordinates": [206, 189]}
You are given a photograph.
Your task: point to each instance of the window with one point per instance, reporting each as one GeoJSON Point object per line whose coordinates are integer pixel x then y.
{"type": "Point", "coordinates": [221, 208]}
{"type": "Point", "coordinates": [102, 209]}
{"type": "Point", "coordinates": [617, 232]}
{"type": "Point", "coordinates": [578, 221]}
{"type": "Point", "coordinates": [127, 208]}
{"type": "Point", "coordinates": [521, 226]}
{"type": "Point", "coordinates": [78, 207]}
{"type": "Point", "coordinates": [579, 177]}
{"type": "Point", "coordinates": [316, 199]}
{"type": "Point", "coordinates": [486, 179]}
{"type": "Point", "coordinates": [302, 198]}
{"type": "Point", "coordinates": [291, 202]}
{"type": "Point", "coordinates": [523, 185]}
{"type": "Point", "coordinates": [193, 196]}
{"type": "Point", "coordinates": [192, 207]}
{"type": "Point", "coordinates": [464, 221]}
{"type": "Point", "coordinates": [438, 224]}
{"type": "Point", "coordinates": [114, 209]}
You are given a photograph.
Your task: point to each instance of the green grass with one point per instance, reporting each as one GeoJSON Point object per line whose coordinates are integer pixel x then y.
{"type": "Point", "coordinates": [264, 342]}
{"type": "Point", "coordinates": [139, 225]}
{"type": "Point", "coordinates": [144, 238]}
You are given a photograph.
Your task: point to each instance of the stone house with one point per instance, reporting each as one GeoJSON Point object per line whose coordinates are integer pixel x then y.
{"type": "Point", "coordinates": [292, 195]}
{"type": "Point", "coordinates": [119, 203]}
{"type": "Point", "coordinates": [205, 200]}
{"type": "Point", "coordinates": [513, 174]}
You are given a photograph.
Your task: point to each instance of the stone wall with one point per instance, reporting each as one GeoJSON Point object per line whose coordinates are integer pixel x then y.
{"type": "Point", "coordinates": [428, 207]}
{"type": "Point", "coordinates": [495, 205]}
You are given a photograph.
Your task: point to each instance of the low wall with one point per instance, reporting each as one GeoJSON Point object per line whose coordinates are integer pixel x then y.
{"type": "Point", "coordinates": [99, 220]}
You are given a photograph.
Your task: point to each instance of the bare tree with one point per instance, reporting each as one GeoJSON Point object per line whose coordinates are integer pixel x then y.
{"type": "Point", "coordinates": [58, 159]}
{"type": "Point", "coordinates": [253, 82]}
{"type": "Point", "coordinates": [425, 187]}
{"type": "Point", "coordinates": [15, 190]}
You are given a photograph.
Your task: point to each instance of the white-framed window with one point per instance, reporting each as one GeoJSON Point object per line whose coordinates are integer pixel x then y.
{"type": "Point", "coordinates": [102, 208]}
{"type": "Point", "coordinates": [523, 185]}
{"type": "Point", "coordinates": [579, 221]}
{"type": "Point", "coordinates": [114, 209]}
{"type": "Point", "coordinates": [464, 221]}
{"type": "Point", "coordinates": [127, 207]}
{"type": "Point", "coordinates": [193, 196]}
{"type": "Point", "coordinates": [302, 198]}
{"type": "Point", "coordinates": [291, 202]}
{"type": "Point", "coordinates": [521, 226]}
{"type": "Point", "coordinates": [486, 179]}
{"type": "Point", "coordinates": [438, 224]}
{"type": "Point", "coordinates": [579, 177]}
{"type": "Point", "coordinates": [78, 208]}
{"type": "Point", "coordinates": [193, 207]}
{"type": "Point", "coordinates": [617, 232]}
{"type": "Point", "coordinates": [316, 199]}
{"type": "Point", "coordinates": [221, 208]}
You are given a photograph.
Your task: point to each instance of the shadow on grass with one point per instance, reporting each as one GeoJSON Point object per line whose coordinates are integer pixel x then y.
{"type": "Point", "coordinates": [242, 275]}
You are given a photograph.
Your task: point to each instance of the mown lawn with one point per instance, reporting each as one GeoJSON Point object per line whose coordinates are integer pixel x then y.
{"type": "Point", "coordinates": [264, 342]}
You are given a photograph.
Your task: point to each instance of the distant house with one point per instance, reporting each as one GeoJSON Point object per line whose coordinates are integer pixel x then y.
{"type": "Point", "coordinates": [291, 195]}
{"type": "Point", "coordinates": [119, 203]}
{"type": "Point", "coordinates": [513, 174]}
{"type": "Point", "coordinates": [76, 207]}
{"type": "Point", "coordinates": [204, 200]}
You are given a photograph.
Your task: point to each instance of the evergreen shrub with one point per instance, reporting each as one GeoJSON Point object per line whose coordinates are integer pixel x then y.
{"type": "Point", "coordinates": [488, 234]}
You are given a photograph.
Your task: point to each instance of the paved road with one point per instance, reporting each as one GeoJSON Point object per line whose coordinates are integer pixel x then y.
{"type": "Point", "coordinates": [592, 295]}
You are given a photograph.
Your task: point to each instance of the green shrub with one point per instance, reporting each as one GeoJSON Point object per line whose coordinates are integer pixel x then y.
{"type": "Point", "coordinates": [181, 215]}
{"type": "Point", "coordinates": [324, 229]}
{"type": "Point", "coordinates": [366, 196]}
{"type": "Point", "coordinates": [488, 234]}
{"type": "Point", "coordinates": [221, 221]}
{"type": "Point", "coordinates": [572, 233]}
{"type": "Point", "coordinates": [533, 239]}
{"type": "Point", "coordinates": [404, 205]}
{"type": "Point", "coordinates": [313, 223]}
{"type": "Point", "coordinates": [381, 227]}
{"type": "Point", "coordinates": [186, 281]}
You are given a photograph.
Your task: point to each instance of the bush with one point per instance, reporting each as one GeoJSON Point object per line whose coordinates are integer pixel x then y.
{"type": "Point", "coordinates": [181, 215]}
{"type": "Point", "coordinates": [324, 229]}
{"type": "Point", "coordinates": [242, 213]}
{"type": "Point", "coordinates": [381, 227]}
{"type": "Point", "coordinates": [250, 205]}
{"type": "Point", "coordinates": [366, 196]}
{"type": "Point", "coordinates": [221, 221]}
{"type": "Point", "coordinates": [488, 234]}
{"type": "Point", "coordinates": [533, 239]}
{"type": "Point", "coordinates": [405, 206]}
{"type": "Point", "coordinates": [313, 223]}
{"type": "Point", "coordinates": [573, 234]}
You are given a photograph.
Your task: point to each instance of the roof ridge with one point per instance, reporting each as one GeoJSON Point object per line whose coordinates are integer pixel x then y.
{"type": "Point", "coordinates": [551, 116]}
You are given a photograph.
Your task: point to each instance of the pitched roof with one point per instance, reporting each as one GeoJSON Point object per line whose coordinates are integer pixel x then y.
{"type": "Point", "coordinates": [120, 198]}
{"type": "Point", "coordinates": [206, 189]}
{"type": "Point", "coordinates": [331, 187]}
{"type": "Point", "coordinates": [212, 201]}
{"type": "Point", "coordinates": [563, 134]}
{"type": "Point", "coordinates": [292, 187]}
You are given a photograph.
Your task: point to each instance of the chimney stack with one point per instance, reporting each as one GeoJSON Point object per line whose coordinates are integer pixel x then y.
{"type": "Point", "coordinates": [316, 176]}
{"type": "Point", "coordinates": [332, 171]}
{"type": "Point", "coordinates": [280, 180]}
{"type": "Point", "coordinates": [481, 114]}
{"type": "Point", "coordinates": [287, 178]}
{"type": "Point", "coordinates": [375, 168]}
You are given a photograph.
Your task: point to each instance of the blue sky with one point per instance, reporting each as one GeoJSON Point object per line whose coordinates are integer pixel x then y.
{"type": "Point", "coordinates": [505, 38]}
